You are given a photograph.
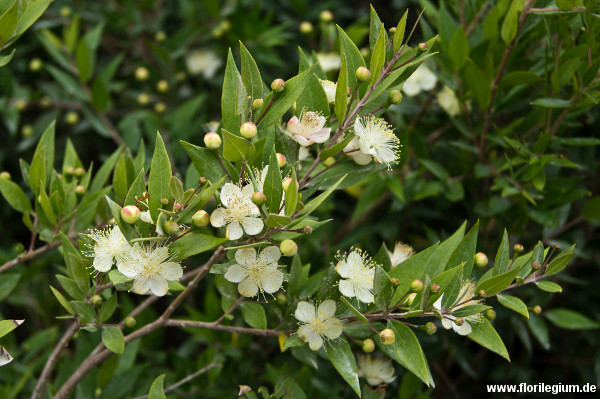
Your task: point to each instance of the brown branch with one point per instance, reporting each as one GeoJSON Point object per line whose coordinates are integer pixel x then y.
{"type": "Point", "coordinates": [29, 255]}
{"type": "Point", "coordinates": [220, 327]}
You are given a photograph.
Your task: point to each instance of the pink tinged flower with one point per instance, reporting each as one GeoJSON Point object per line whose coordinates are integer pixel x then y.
{"type": "Point", "coordinates": [151, 269]}
{"type": "Point", "coordinates": [377, 139]}
{"type": "Point", "coordinates": [309, 129]}
{"type": "Point", "coordinates": [238, 213]}
{"type": "Point", "coordinates": [357, 271]}
{"type": "Point", "coordinates": [317, 324]}
{"type": "Point", "coordinates": [401, 253]}
{"type": "Point", "coordinates": [353, 151]}
{"type": "Point", "coordinates": [256, 273]}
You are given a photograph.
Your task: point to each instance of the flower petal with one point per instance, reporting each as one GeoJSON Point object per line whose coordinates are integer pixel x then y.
{"type": "Point", "coordinates": [248, 287]}
{"type": "Point", "coordinates": [236, 273]}
{"type": "Point", "coordinates": [128, 269]}
{"type": "Point", "coordinates": [326, 309]}
{"type": "Point", "coordinates": [465, 329]}
{"type": "Point", "coordinates": [229, 191]}
{"type": "Point", "coordinates": [171, 271]}
{"type": "Point", "coordinates": [272, 280]}
{"type": "Point", "coordinates": [320, 136]}
{"type": "Point", "coordinates": [332, 328]}
{"type": "Point", "coordinates": [245, 256]}
{"type": "Point", "coordinates": [305, 312]}
{"type": "Point", "coordinates": [359, 158]}
{"type": "Point", "coordinates": [347, 288]}
{"type": "Point", "coordinates": [438, 304]}
{"type": "Point", "coordinates": [447, 324]}
{"type": "Point", "coordinates": [269, 255]}
{"type": "Point", "coordinates": [315, 341]}
{"type": "Point", "coordinates": [234, 231]}
{"type": "Point", "coordinates": [364, 295]}
{"type": "Point", "coordinates": [252, 226]}
{"type": "Point", "coordinates": [141, 286]}
{"type": "Point", "coordinates": [5, 357]}
{"type": "Point", "coordinates": [103, 262]}
{"type": "Point", "coordinates": [217, 219]}
{"type": "Point", "coordinates": [302, 140]}
{"type": "Point", "coordinates": [343, 269]}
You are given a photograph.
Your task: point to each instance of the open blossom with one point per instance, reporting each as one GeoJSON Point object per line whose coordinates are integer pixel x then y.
{"type": "Point", "coordinates": [150, 269]}
{"type": "Point", "coordinates": [256, 273]}
{"type": "Point", "coordinates": [109, 246]}
{"type": "Point", "coordinates": [357, 271]}
{"type": "Point", "coordinates": [375, 370]}
{"type": "Point", "coordinates": [421, 80]}
{"type": "Point", "coordinates": [239, 212]}
{"type": "Point", "coordinates": [205, 62]}
{"type": "Point", "coordinates": [401, 253]}
{"type": "Point", "coordinates": [317, 324]}
{"type": "Point", "coordinates": [354, 153]}
{"type": "Point", "coordinates": [330, 89]}
{"type": "Point", "coordinates": [467, 292]}
{"type": "Point", "coordinates": [448, 101]}
{"type": "Point", "coordinates": [309, 129]}
{"type": "Point", "coordinates": [377, 139]}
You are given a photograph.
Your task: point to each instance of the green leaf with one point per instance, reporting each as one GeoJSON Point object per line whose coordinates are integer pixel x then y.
{"type": "Point", "coordinates": [120, 183]}
{"type": "Point", "coordinates": [296, 278]}
{"type": "Point", "coordinates": [8, 282]}
{"type": "Point", "coordinates": [32, 13]}
{"type": "Point", "coordinates": [108, 308]}
{"type": "Point", "coordinates": [485, 335]}
{"type": "Point", "coordinates": [176, 187]}
{"type": "Point", "coordinates": [465, 252]}
{"type": "Point", "coordinates": [62, 300]}
{"type": "Point", "coordinates": [205, 161]}
{"type": "Point", "coordinates": [552, 103]}
{"type": "Point", "coordinates": [116, 277]}
{"type": "Point", "coordinates": [15, 196]}
{"type": "Point", "coordinates": [342, 358]}
{"type": "Point", "coordinates": [304, 354]}
{"type": "Point", "coordinates": [478, 84]}
{"type": "Point", "coordinates": [334, 149]}
{"type": "Point", "coordinates": [519, 77]}
{"type": "Point", "coordinates": [85, 311]}
{"type": "Point", "coordinates": [235, 148]}
{"type": "Point", "coordinates": [511, 21]}
{"type": "Point", "coordinates": [399, 34]}
{"type": "Point", "coordinates": [341, 92]}
{"type": "Point", "coordinates": [497, 283]}
{"type": "Point", "coordinates": [68, 83]}
{"type": "Point", "coordinates": [406, 350]}
{"type": "Point", "coordinates": [538, 328]}
{"type": "Point", "coordinates": [548, 286]}
{"type": "Point", "coordinates": [157, 390]}
{"type": "Point", "coordinates": [375, 26]}
{"type": "Point", "coordinates": [291, 195]}
{"type": "Point", "coordinates": [84, 61]}
{"type": "Point", "coordinates": [360, 316]}
{"type": "Point", "coordinates": [254, 315]}
{"type": "Point", "coordinates": [158, 180]}
{"type": "Point", "coordinates": [113, 339]}
{"type": "Point", "coordinates": [382, 288]}
{"type": "Point", "coordinates": [125, 228]}
{"type": "Point", "coordinates": [7, 326]}
{"type": "Point", "coordinates": [443, 253]}
{"type": "Point", "coordinates": [100, 95]}
{"type": "Point", "coordinates": [502, 256]}
{"type": "Point", "coordinates": [233, 91]}
{"type": "Point", "coordinates": [459, 49]}
{"type": "Point", "coordinates": [378, 56]}
{"type": "Point", "coordinates": [570, 320]}
{"type": "Point", "coordinates": [469, 310]}
{"type": "Point", "coordinates": [314, 204]}
{"type": "Point", "coordinates": [199, 201]}
{"type": "Point", "coordinates": [5, 59]}
{"type": "Point", "coordinates": [272, 186]}
{"type": "Point", "coordinates": [137, 189]}
{"type": "Point", "coordinates": [354, 58]}
{"type": "Point", "coordinates": [276, 220]}
{"type": "Point", "coordinates": [193, 244]}
{"type": "Point", "coordinates": [250, 74]}
{"type": "Point", "coordinates": [452, 291]}
{"type": "Point", "coordinates": [411, 269]}
{"type": "Point", "coordinates": [8, 23]}
{"type": "Point", "coordinates": [513, 303]}
{"type": "Point", "coordinates": [560, 262]}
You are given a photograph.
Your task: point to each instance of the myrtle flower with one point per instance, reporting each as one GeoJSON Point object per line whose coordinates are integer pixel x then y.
{"type": "Point", "coordinates": [151, 269]}
{"type": "Point", "coordinates": [256, 273]}
{"type": "Point", "coordinates": [204, 61]}
{"type": "Point", "coordinates": [354, 153]}
{"type": "Point", "coordinates": [448, 101]}
{"type": "Point", "coordinates": [109, 246]}
{"type": "Point", "coordinates": [421, 80]}
{"type": "Point", "coordinates": [309, 129]}
{"type": "Point", "coordinates": [401, 253]}
{"type": "Point", "coordinates": [317, 324]}
{"type": "Point", "coordinates": [330, 89]}
{"type": "Point", "coordinates": [358, 270]}
{"type": "Point", "coordinates": [377, 139]}
{"type": "Point", "coordinates": [329, 61]}
{"type": "Point", "coordinates": [375, 370]}
{"type": "Point", "coordinates": [467, 292]}
{"type": "Point", "coordinates": [239, 211]}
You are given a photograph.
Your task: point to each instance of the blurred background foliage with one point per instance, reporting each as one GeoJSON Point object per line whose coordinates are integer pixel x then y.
{"type": "Point", "coordinates": [114, 72]}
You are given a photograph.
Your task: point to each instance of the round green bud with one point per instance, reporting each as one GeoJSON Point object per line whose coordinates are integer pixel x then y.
{"type": "Point", "coordinates": [394, 281]}
{"type": "Point", "coordinates": [201, 218]}
{"type": "Point", "coordinates": [423, 47]}
{"type": "Point", "coordinates": [395, 97]}
{"type": "Point", "coordinates": [257, 104]}
{"type": "Point", "coordinates": [363, 74]}
{"type": "Point", "coordinates": [326, 16]}
{"type": "Point", "coordinates": [69, 171]}
{"type": "Point", "coordinates": [130, 214]}
{"type": "Point", "coordinates": [170, 227]}
{"type": "Point", "coordinates": [365, 52]}
{"type": "Point", "coordinates": [178, 207]}
{"type": "Point", "coordinates": [368, 345]}
{"type": "Point", "coordinates": [130, 322]}
{"type": "Point", "coordinates": [160, 108]}
{"type": "Point", "coordinates": [4, 175]}
{"type": "Point", "coordinates": [518, 248]}
{"type": "Point", "coordinates": [387, 337]}
{"type": "Point", "coordinates": [459, 321]}
{"type": "Point", "coordinates": [248, 130]}
{"type": "Point", "coordinates": [519, 280]}
{"type": "Point", "coordinates": [72, 117]}
{"type": "Point", "coordinates": [537, 309]}
{"type": "Point", "coordinates": [281, 298]}
{"type": "Point", "coordinates": [164, 201]}
{"type": "Point", "coordinates": [141, 74]}
{"type": "Point", "coordinates": [162, 86]}
{"type": "Point", "coordinates": [536, 265]}
{"type": "Point", "coordinates": [212, 141]}
{"type": "Point", "coordinates": [19, 248]}
{"type": "Point", "coordinates": [306, 28]}
{"type": "Point", "coordinates": [259, 198]}
{"type": "Point", "coordinates": [288, 248]}
{"type": "Point", "coordinates": [20, 104]}
{"type": "Point", "coordinates": [35, 64]}
{"type": "Point", "coordinates": [392, 30]}
{"type": "Point", "coordinates": [435, 288]}
{"type": "Point", "coordinates": [45, 102]}
{"type": "Point", "coordinates": [65, 12]}
{"type": "Point", "coordinates": [202, 180]}
{"type": "Point", "coordinates": [278, 85]}
{"type": "Point", "coordinates": [160, 36]}
{"type": "Point", "coordinates": [180, 76]}
{"type": "Point", "coordinates": [79, 172]}
{"type": "Point", "coordinates": [79, 190]}
{"type": "Point", "coordinates": [307, 230]}
{"type": "Point", "coordinates": [481, 260]}
{"type": "Point", "coordinates": [97, 300]}
{"type": "Point", "coordinates": [143, 99]}
{"type": "Point", "coordinates": [27, 131]}
{"type": "Point", "coordinates": [416, 286]}
{"type": "Point", "coordinates": [281, 161]}
{"type": "Point", "coordinates": [286, 183]}
{"type": "Point", "coordinates": [482, 294]}
{"type": "Point", "coordinates": [430, 328]}
{"type": "Point", "coordinates": [490, 314]}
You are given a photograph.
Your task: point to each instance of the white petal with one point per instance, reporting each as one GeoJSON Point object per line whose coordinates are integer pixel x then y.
{"type": "Point", "coordinates": [245, 256]}
{"type": "Point", "coordinates": [159, 286]}
{"type": "Point", "coordinates": [305, 312]}
{"type": "Point", "coordinates": [252, 226]}
{"type": "Point", "coordinates": [248, 190]}
{"type": "Point", "coordinates": [359, 158]}
{"type": "Point", "coordinates": [364, 295]}
{"type": "Point", "coordinates": [343, 269]}
{"type": "Point", "coordinates": [141, 286]}
{"type": "Point", "coordinates": [5, 357]}
{"type": "Point", "coordinates": [228, 192]}
{"type": "Point", "coordinates": [160, 254]}
{"type": "Point", "coordinates": [248, 287]}
{"type": "Point", "coordinates": [145, 217]}
{"type": "Point", "coordinates": [359, 129]}
{"type": "Point", "coordinates": [217, 219]}
{"type": "Point", "coordinates": [447, 324]}
{"type": "Point", "coordinates": [234, 231]}
{"type": "Point", "coordinates": [320, 136]}
{"type": "Point", "coordinates": [438, 304]}
{"type": "Point", "coordinates": [236, 273]}
{"type": "Point", "coordinates": [411, 88]}
{"type": "Point", "coordinates": [103, 262]}
{"type": "Point", "coordinates": [302, 140]}
{"type": "Point", "coordinates": [465, 329]}
{"type": "Point", "coordinates": [269, 255]}
{"type": "Point", "coordinates": [128, 269]}
{"type": "Point", "coordinates": [364, 147]}
{"type": "Point", "coordinates": [347, 288]}
{"type": "Point", "coordinates": [332, 328]}
{"type": "Point", "coordinates": [272, 280]}
{"type": "Point", "coordinates": [354, 259]}
{"type": "Point", "coordinates": [315, 341]}
{"type": "Point", "coordinates": [326, 309]}
{"type": "Point", "coordinates": [171, 271]}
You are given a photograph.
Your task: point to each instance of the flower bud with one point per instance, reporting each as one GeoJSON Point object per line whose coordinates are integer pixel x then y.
{"type": "Point", "coordinates": [212, 141]}
{"type": "Point", "coordinates": [368, 345]}
{"type": "Point", "coordinates": [79, 190]}
{"type": "Point", "coordinates": [307, 230]}
{"type": "Point", "coordinates": [363, 74]}
{"type": "Point", "coordinates": [45, 102]}
{"type": "Point", "coordinates": [459, 321]}
{"type": "Point", "coordinates": [387, 337]}
{"type": "Point", "coordinates": [69, 171]}
{"type": "Point", "coordinates": [248, 130]}
{"type": "Point", "coordinates": [281, 298]}
{"type": "Point", "coordinates": [21, 104]}
{"type": "Point", "coordinates": [288, 248]}
{"type": "Point", "coordinates": [4, 175]}
{"type": "Point", "coordinates": [430, 328]}
{"type": "Point", "coordinates": [536, 265]}
{"type": "Point", "coordinates": [435, 288]}
{"type": "Point", "coordinates": [286, 183]}
{"type": "Point", "coordinates": [27, 131]}
{"type": "Point", "coordinates": [537, 309]}
{"type": "Point", "coordinates": [394, 281]}
{"type": "Point", "coordinates": [410, 299]}
{"type": "Point", "coordinates": [202, 180]}
{"type": "Point", "coordinates": [416, 286]}
{"type": "Point", "coordinates": [326, 16]}
{"type": "Point", "coordinates": [130, 322]}
{"type": "Point", "coordinates": [481, 260]}
{"type": "Point", "coordinates": [281, 161]}
{"type": "Point", "coordinates": [141, 74]}
{"type": "Point", "coordinates": [490, 314]}
{"type": "Point", "coordinates": [97, 300]}
{"type": "Point", "coordinates": [482, 294]}
{"type": "Point", "coordinates": [257, 104]}
{"type": "Point", "coordinates": [160, 36]}
{"type": "Point", "coordinates": [170, 227]}
{"type": "Point", "coordinates": [306, 28]}
{"type": "Point", "coordinates": [164, 201]}
{"type": "Point", "coordinates": [19, 248]}
{"type": "Point", "coordinates": [160, 108]}
{"type": "Point", "coordinates": [162, 86]}
{"type": "Point", "coordinates": [519, 280]}
{"type": "Point", "coordinates": [201, 218]}
{"type": "Point", "coordinates": [423, 47]}
{"type": "Point", "coordinates": [259, 198]}
{"type": "Point", "coordinates": [130, 214]}
{"type": "Point", "coordinates": [392, 30]}
{"type": "Point", "coordinates": [278, 85]}
{"type": "Point", "coordinates": [395, 97]}
{"type": "Point", "coordinates": [518, 248]}
{"type": "Point", "coordinates": [178, 207]}
{"type": "Point", "coordinates": [143, 99]}
{"type": "Point", "coordinates": [35, 64]}
{"type": "Point", "coordinates": [79, 172]}
{"type": "Point", "coordinates": [72, 117]}
{"type": "Point", "coordinates": [65, 12]}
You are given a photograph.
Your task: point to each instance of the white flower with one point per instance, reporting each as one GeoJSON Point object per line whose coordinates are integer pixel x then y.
{"type": "Point", "coordinates": [317, 323]}
{"type": "Point", "coordinates": [110, 246]}
{"type": "Point", "coordinates": [239, 212]}
{"type": "Point", "coordinates": [375, 369]}
{"type": "Point", "coordinates": [5, 357]}
{"type": "Point", "coordinates": [329, 61]}
{"type": "Point", "coordinates": [401, 253]}
{"type": "Point", "coordinates": [358, 270]}
{"type": "Point", "coordinates": [421, 80]}
{"type": "Point", "coordinates": [330, 89]}
{"type": "Point", "coordinates": [467, 292]}
{"type": "Point", "coordinates": [256, 273]}
{"type": "Point", "coordinates": [353, 151]}
{"type": "Point", "coordinates": [204, 62]}
{"type": "Point", "coordinates": [151, 269]}
{"type": "Point", "coordinates": [145, 217]}
{"type": "Point", "coordinates": [377, 139]}
{"type": "Point", "coordinates": [309, 129]}
{"type": "Point", "coordinates": [448, 101]}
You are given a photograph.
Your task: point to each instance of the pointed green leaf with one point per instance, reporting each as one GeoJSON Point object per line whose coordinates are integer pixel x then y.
{"type": "Point", "coordinates": [108, 308]}
{"type": "Point", "coordinates": [548, 286]}
{"type": "Point", "coordinates": [235, 148]}
{"type": "Point", "coordinates": [291, 195]}
{"type": "Point", "coordinates": [343, 361]}
{"type": "Point", "coordinates": [497, 283]}
{"type": "Point", "coordinates": [62, 300]}
{"type": "Point", "coordinates": [250, 74]}
{"type": "Point", "coordinates": [158, 180]}
{"type": "Point", "coordinates": [443, 253]}
{"type": "Point", "coordinates": [103, 173]}
{"type": "Point", "coordinates": [272, 186]}
{"type": "Point", "coordinates": [193, 244]}
{"type": "Point", "coordinates": [485, 335]}
{"type": "Point", "coordinates": [199, 201]}
{"type": "Point", "coordinates": [378, 56]}
{"type": "Point", "coordinates": [231, 93]}
{"type": "Point", "coordinates": [205, 161]}
{"type": "Point", "coordinates": [254, 315]}
{"type": "Point", "coordinates": [459, 48]}
{"type": "Point", "coordinates": [513, 303]}
{"type": "Point", "coordinates": [137, 189]}
{"type": "Point", "coordinates": [113, 339]}
{"type": "Point", "coordinates": [356, 312]}
{"type": "Point", "coordinates": [354, 58]}
{"type": "Point", "coordinates": [570, 320]}
{"type": "Point", "coordinates": [465, 252]}
{"type": "Point", "coordinates": [85, 311]}
{"type": "Point", "coordinates": [15, 196]}
{"type": "Point", "coordinates": [399, 34]}
{"type": "Point", "coordinates": [341, 92]}
{"type": "Point", "coordinates": [502, 256]}
{"type": "Point", "coordinates": [560, 262]}
{"type": "Point", "coordinates": [157, 390]}
{"type": "Point", "coordinates": [7, 326]}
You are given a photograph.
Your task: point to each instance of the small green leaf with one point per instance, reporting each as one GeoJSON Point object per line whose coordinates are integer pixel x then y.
{"type": "Point", "coordinates": [291, 195]}
{"type": "Point", "coordinates": [570, 320]}
{"type": "Point", "coordinates": [538, 328]}
{"type": "Point", "coordinates": [513, 303]}
{"type": "Point", "coordinates": [378, 56]}
{"type": "Point", "coordinates": [254, 315]}
{"type": "Point", "coordinates": [15, 196]}
{"type": "Point", "coordinates": [276, 220]}
{"type": "Point", "coordinates": [548, 286]}
{"type": "Point", "coordinates": [125, 228]}
{"type": "Point", "coordinates": [62, 300]}
{"type": "Point", "coordinates": [399, 34]}
{"type": "Point", "coordinates": [193, 244]}
{"type": "Point", "coordinates": [502, 256]}
{"type": "Point", "coordinates": [341, 92]}
{"type": "Point", "coordinates": [250, 74]}
{"type": "Point", "coordinates": [103, 173]}
{"type": "Point", "coordinates": [85, 311]}
{"type": "Point", "coordinates": [7, 326]}
{"type": "Point", "coordinates": [158, 180]}
{"type": "Point", "coordinates": [233, 89]}
{"type": "Point", "coordinates": [108, 308]}
{"type": "Point", "coordinates": [8, 282]}
{"type": "Point", "coordinates": [176, 187]}
{"type": "Point", "coordinates": [552, 103]}
{"type": "Point", "coordinates": [157, 389]}
{"type": "Point", "coordinates": [478, 84]}
{"type": "Point", "coordinates": [485, 335]}
{"type": "Point", "coordinates": [343, 361]}
{"type": "Point", "coordinates": [459, 49]}
{"type": "Point", "coordinates": [235, 148]}
{"type": "Point", "coordinates": [497, 283]}
{"type": "Point", "coordinates": [5, 59]}
{"type": "Point", "coordinates": [199, 201]}
{"type": "Point", "coordinates": [360, 316]}
{"type": "Point", "coordinates": [354, 58]}
{"type": "Point", "coordinates": [382, 288]}
{"type": "Point", "coordinates": [8, 23]}
{"type": "Point", "coordinates": [511, 21]}
{"type": "Point", "coordinates": [205, 161]}
{"type": "Point", "coordinates": [113, 339]}
{"type": "Point", "coordinates": [272, 186]}
{"type": "Point", "coordinates": [559, 263]}
{"type": "Point", "coordinates": [442, 254]}
{"type": "Point", "coordinates": [32, 13]}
